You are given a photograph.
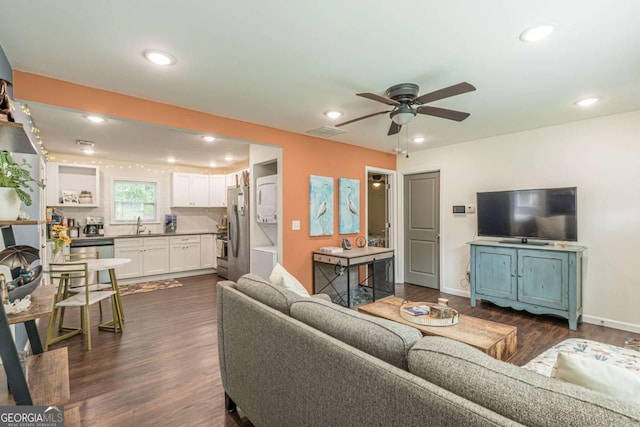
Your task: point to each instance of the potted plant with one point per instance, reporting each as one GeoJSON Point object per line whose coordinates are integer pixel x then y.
{"type": "Point", "coordinates": [15, 179]}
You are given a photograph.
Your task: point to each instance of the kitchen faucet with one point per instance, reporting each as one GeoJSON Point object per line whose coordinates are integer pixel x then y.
{"type": "Point", "coordinates": [139, 226]}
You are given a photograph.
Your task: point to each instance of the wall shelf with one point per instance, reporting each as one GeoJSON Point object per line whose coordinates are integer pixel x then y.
{"type": "Point", "coordinates": [47, 378]}
{"type": "Point", "coordinates": [72, 177]}
{"type": "Point", "coordinates": [27, 222]}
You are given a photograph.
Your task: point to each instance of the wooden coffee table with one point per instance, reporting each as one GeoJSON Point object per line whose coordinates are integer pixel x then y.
{"type": "Point", "coordinates": [496, 339]}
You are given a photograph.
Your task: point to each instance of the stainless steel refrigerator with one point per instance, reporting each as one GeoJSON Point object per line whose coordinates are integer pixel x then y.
{"type": "Point", "coordinates": [238, 228]}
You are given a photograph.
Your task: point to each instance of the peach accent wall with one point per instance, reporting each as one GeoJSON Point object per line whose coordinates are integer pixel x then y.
{"type": "Point", "coordinates": [302, 155]}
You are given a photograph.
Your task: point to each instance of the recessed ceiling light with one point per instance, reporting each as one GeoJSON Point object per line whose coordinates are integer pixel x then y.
{"type": "Point", "coordinates": [333, 114]}
{"type": "Point", "coordinates": [588, 102]}
{"type": "Point", "coordinates": [208, 138]}
{"type": "Point", "coordinates": [537, 33]}
{"type": "Point", "coordinates": [212, 164]}
{"type": "Point", "coordinates": [88, 150]}
{"type": "Point", "coordinates": [228, 157]}
{"type": "Point", "coordinates": [171, 159]}
{"type": "Point", "coordinates": [94, 118]}
{"type": "Point", "coordinates": [159, 58]}
{"type": "Point", "coordinates": [84, 143]}
{"type": "Point", "coordinates": [418, 139]}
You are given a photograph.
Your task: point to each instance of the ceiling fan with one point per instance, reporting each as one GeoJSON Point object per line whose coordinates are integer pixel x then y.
{"type": "Point", "coordinates": [404, 96]}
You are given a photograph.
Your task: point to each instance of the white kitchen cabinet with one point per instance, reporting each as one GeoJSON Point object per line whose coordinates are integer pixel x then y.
{"type": "Point", "coordinates": [156, 255]}
{"type": "Point", "coordinates": [184, 253]}
{"type": "Point", "coordinates": [132, 249]}
{"type": "Point", "coordinates": [189, 190]}
{"type": "Point", "coordinates": [217, 191]}
{"type": "Point", "coordinates": [67, 178]}
{"type": "Point", "coordinates": [149, 256]}
{"type": "Point", "coordinates": [207, 251]}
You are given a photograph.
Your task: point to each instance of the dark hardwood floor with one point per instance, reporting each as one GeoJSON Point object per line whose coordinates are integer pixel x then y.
{"type": "Point", "coordinates": [163, 370]}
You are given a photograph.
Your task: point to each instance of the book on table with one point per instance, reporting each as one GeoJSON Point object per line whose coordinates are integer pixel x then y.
{"type": "Point", "coordinates": [417, 310]}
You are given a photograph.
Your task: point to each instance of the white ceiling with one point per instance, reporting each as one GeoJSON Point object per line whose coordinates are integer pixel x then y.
{"type": "Point", "coordinates": [127, 140]}
{"type": "Point", "coordinates": [283, 63]}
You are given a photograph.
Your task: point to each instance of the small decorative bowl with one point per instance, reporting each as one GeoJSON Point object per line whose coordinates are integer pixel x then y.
{"type": "Point", "coordinates": [26, 289]}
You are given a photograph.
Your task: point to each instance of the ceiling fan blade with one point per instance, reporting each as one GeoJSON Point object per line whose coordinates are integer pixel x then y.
{"type": "Point", "coordinates": [458, 116]}
{"type": "Point", "coordinates": [378, 98]}
{"type": "Point", "coordinates": [362, 118]}
{"type": "Point", "coordinates": [458, 89]}
{"type": "Point", "coordinates": [394, 128]}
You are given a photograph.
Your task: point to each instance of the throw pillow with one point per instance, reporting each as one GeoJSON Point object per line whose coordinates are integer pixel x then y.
{"type": "Point", "coordinates": [597, 375]}
{"type": "Point", "coordinates": [281, 277]}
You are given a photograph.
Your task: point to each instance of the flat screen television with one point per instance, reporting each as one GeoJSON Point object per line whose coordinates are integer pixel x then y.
{"type": "Point", "coordinates": [546, 214]}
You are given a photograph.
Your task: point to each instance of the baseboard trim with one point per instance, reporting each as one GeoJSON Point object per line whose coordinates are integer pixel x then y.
{"type": "Point", "coordinates": [623, 326]}
{"type": "Point", "coordinates": [457, 292]}
{"type": "Point", "coordinates": [609, 323]}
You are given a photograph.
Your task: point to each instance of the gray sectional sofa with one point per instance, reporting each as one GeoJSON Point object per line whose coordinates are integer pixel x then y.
{"type": "Point", "coordinates": [291, 361]}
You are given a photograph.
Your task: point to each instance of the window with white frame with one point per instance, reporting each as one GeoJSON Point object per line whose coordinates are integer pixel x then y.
{"type": "Point", "coordinates": [133, 199]}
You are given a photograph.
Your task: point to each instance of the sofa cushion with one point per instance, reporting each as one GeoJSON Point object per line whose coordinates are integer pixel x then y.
{"type": "Point", "coordinates": [524, 396]}
{"type": "Point", "coordinates": [384, 339]}
{"type": "Point", "coordinates": [281, 277]}
{"type": "Point", "coordinates": [262, 290]}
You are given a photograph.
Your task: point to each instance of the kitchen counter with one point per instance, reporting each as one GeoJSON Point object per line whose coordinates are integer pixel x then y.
{"type": "Point", "coordinates": [129, 236]}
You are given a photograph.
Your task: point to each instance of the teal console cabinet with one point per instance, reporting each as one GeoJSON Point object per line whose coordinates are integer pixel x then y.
{"type": "Point", "coordinates": [538, 279]}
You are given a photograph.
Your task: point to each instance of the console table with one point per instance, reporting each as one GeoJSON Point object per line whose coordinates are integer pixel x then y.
{"type": "Point", "coordinates": [538, 279]}
{"type": "Point", "coordinates": [369, 271]}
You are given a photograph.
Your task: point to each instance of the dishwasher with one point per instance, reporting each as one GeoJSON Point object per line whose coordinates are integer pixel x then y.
{"type": "Point", "coordinates": [102, 245]}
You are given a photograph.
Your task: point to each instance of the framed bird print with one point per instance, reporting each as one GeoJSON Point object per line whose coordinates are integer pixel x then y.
{"type": "Point", "coordinates": [320, 205]}
{"type": "Point", "coordinates": [349, 206]}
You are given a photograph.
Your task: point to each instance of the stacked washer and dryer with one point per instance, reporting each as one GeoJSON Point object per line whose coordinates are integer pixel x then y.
{"type": "Point", "coordinates": [264, 258]}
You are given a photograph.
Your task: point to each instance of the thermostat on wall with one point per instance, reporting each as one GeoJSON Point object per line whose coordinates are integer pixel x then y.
{"type": "Point", "coordinates": [459, 209]}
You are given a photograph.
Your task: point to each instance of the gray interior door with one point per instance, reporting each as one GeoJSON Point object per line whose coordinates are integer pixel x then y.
{"type": "Point", "coordinates": [422, 229]}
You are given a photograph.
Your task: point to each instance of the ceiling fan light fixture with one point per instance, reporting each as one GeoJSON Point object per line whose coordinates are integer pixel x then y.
{"type": "Point", "coordinates": [537, 33]}
{"type": "Point", "coordinates": [333, 114]}
{"type": "Point", "coordinates": [403, 115]}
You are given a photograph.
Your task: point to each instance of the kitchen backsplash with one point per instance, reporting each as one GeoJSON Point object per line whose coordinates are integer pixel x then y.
{"type": "Point", "coordinates": [189, 219]}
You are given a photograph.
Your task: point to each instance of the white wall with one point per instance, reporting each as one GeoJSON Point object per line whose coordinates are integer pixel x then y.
{"type": "Point", "coordinates": [189, 219]}
{"type": "Point", "coordinates": [599, 156]}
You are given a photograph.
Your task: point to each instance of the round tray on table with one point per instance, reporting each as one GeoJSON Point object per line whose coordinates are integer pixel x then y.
{"type": "Point", "coordinates": [428, 319]}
